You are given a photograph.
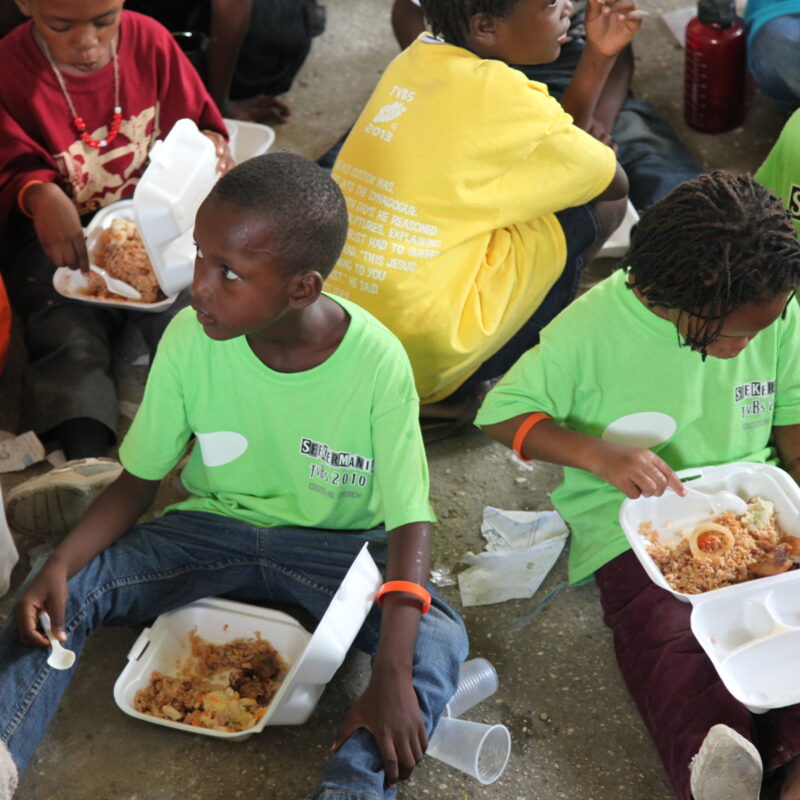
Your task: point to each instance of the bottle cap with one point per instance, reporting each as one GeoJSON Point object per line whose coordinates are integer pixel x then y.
{"type": "Point", "coordinates": [717, 12]}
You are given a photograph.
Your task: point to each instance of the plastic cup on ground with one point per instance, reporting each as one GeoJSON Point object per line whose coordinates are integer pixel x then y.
{"type": "Point", "coordinates": [476, 748]}
{"type": "Point", "coordinates": [477, 681]}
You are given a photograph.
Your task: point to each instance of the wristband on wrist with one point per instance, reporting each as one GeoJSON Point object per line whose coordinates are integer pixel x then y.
{"type": "Point", "coordinates": [21, 196]}
{"type": "Point", "coordinates": [524, 430]}
{"type": "Point", "coordinates": [405, 586]}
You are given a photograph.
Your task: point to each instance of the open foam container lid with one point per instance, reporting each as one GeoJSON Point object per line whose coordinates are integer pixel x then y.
{"type": "Point", "coordinates": [181, 172]}
{"type": "Point", "coordinates": [312, 659]}
{"type": "Point", "coordinates": [750, 630]}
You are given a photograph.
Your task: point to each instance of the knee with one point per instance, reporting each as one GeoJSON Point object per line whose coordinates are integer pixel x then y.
{"type": "Point", "coordinates": [447, 629]}
{"type": "Point", "coordinates": [67, 340]}
{"type": "Point", "coordinates": [772, 58]}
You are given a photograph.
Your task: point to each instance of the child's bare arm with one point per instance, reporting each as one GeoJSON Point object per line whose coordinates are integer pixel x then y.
{"type": "Point", "coordinates": [635, 471]}
{"type": "Point", "coordinates": [610, 26]}
{"type": "Point", "coordinates": [112, 514]}
{"type": "Point", "coordinates": [407, 22]}
{"type": "Point", "coordinates": [389, 707]}
{"type": "Point", "coordinates": [787, 442]}
{"type": "Point", "coordinates": [615, 90]}
{"type": "Point", "coordinates": [57, 225]}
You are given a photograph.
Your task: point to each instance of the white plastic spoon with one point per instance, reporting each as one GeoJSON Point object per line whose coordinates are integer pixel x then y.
{"type": "Point", "coordinates": [719, 502]}
{"type": "Point", "coordinates": [115, 285]}
{"type": "Point", "coordinates": [60, 657]}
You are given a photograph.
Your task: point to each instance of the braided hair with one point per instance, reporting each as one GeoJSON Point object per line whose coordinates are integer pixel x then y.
{"type": "Point", "coordinates": [715, 243]}
{"type": "Point", "coordinates": [449, 19]}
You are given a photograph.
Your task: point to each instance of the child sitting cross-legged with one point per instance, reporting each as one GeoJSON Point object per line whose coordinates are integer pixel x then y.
{"type": "Point", "coordinates": [703, 306]}
{"type": "Point", "coordinates": [270, 375]}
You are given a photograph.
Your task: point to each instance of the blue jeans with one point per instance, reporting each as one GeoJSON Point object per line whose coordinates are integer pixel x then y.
{"type": "Point", "coordinates": [773, 56]}
{"type": "Point", "coordinates": [184, 556]}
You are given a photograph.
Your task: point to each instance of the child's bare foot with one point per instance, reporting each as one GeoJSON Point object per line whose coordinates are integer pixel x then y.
{"type": "Point", "coordinates": [791, 782]}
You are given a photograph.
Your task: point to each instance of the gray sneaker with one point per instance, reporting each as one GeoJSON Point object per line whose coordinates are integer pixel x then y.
{"type": "Point", "coordinates": [49, 505]}
{"type": "Point", "coordinates": [727, 767]}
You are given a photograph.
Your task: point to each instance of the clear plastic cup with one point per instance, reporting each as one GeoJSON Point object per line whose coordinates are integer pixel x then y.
{"type": "Point", "coordinates": [477, 681]}
{"type": "Point", "coordinates": [478, 749]}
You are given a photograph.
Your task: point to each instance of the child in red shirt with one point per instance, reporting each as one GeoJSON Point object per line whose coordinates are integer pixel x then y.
{"type": "Point", "coordinates": [94, 87]}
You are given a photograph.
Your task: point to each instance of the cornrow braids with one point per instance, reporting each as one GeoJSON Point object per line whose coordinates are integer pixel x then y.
{"type": "Point", "coordinates": [449, 19]}
{"type": "Point", "coordinates": [715, 243]}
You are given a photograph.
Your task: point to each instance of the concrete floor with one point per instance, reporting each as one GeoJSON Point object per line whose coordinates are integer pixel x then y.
{"type": "Point", "coordinates": [575, 732]}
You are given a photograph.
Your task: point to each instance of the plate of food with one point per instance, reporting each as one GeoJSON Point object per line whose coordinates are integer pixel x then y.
{"type": "Point", "coordinates": [115, 244]}
{"type": "Point", "coordinates": [740, 570]}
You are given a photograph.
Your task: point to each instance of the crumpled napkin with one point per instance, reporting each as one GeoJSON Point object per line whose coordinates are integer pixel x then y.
{"type": "Point", "coordinates": [521, 548]}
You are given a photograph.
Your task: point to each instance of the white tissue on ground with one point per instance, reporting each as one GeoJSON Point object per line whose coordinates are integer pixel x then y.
{"type": "Point", "coordinates": [522, 547]}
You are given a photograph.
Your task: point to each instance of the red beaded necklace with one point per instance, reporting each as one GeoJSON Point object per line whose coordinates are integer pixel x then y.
{"type": "Point", "coordinates": [80, 125]}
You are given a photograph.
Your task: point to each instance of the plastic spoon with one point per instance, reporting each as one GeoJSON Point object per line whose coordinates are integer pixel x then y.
{"type": "Point", "coordinates": [719, 502]}
{"type": "Point", "coordinates": [115, 285]}
{"type": "Point", "coordinates": [60, 657]}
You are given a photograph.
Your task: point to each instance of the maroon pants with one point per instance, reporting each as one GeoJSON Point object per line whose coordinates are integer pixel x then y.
{"type": "Point", "coordinates": [673, 682]}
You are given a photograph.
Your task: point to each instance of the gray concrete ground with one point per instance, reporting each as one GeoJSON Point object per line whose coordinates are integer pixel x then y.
{"type": "Point", "coordinates": [575, 732]}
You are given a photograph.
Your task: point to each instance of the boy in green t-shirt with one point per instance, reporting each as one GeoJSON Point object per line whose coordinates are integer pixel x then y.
{"type": "Point", "coordinates": [695, 361]}
{"type": "Point", "coordinates": [307, 445]}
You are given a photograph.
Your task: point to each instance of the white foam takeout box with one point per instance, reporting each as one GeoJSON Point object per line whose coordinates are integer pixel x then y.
{"type": "Point", "coordinates": [751, 630]}
{"type": "Point", "coordinates": [312, 659]}
{"type": "Point", "coordinates": [181, 172]}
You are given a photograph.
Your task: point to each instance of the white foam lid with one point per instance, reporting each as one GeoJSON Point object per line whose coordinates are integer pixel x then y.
{"type": "Point", "coordinates": [751, 630]}
{"type": "Point", "coordinates": [181, 172]}
{"type": "Point", "coordinates": [312, 659]}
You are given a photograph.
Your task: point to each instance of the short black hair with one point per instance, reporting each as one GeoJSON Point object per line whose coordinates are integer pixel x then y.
{"type": "Point", "coordinates": [301, 204]}
{"type": "Point", "coordinates": [449, 19]}
{"type": "Point", "coordinates": [715, 243]}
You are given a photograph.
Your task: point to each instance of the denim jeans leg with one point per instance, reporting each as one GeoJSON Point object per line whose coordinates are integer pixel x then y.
{"type": "Point", "coordinates": [309, 565]}
{"type": "Point", "coordinates": [154, 568]}
{"type": "Point", "coordinates": [652, 156]}
{"type": "Point", "coordinates": [772, 56]}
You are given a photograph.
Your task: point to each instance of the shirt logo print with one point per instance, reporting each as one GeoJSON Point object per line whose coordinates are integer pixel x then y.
{"type": "Point", "coordinates": [389, 112]}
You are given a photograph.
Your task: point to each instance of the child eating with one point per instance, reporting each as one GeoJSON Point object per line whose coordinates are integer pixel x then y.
{"type": "Point", "coordinates": [692, 359]}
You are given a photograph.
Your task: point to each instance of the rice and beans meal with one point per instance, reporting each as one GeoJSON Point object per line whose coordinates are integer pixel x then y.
{"type": "Point", "coordinates": [224, 687]}
{"type": "Point", "coordinates": [121, 252]}
{"type": "Point", "coordinates": [727, 550]}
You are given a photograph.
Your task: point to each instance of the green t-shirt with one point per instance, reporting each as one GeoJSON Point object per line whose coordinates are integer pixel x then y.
{"type": "Point", "coordinates": [334, 447]}
{"type": "Point", "coordinates": [780, 171]}
{"type": "Point", "coordinates": [609, 367]}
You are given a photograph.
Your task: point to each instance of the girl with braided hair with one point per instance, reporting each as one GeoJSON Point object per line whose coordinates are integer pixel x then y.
{"type": "Point", "coordinates": [689, 355]}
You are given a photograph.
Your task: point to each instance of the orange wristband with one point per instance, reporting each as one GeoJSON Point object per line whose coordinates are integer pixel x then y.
{"type": "Point", "coordinates": [21, 194]}
{"type": "Point", "coordinates": [524, 429]}
{"type": "Point", "coordinates": [406, 586]}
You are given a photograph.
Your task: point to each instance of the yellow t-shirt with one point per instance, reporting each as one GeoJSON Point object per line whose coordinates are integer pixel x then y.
{"type": "Point", "coordinates": [452, 175]}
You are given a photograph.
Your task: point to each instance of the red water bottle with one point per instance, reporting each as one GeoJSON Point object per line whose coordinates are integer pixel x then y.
{"type": "Point", "coordinates": [713, 92]}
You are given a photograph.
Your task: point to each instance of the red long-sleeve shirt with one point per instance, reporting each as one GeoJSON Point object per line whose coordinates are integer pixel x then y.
{"type": "Point", "coordinates": [158, 86]}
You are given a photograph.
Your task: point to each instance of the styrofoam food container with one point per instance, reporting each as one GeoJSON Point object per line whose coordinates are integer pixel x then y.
{"type": "Point", "coordinates": [181, 172]}
{"type": "Point", "coordinates": [70, 282]}
{"type": "Point", "coordinates": [312, 659]}
{"type": "Point", "coordinates": [751, 630]}
{"type": "Point", "coordinates": [248, 139]}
